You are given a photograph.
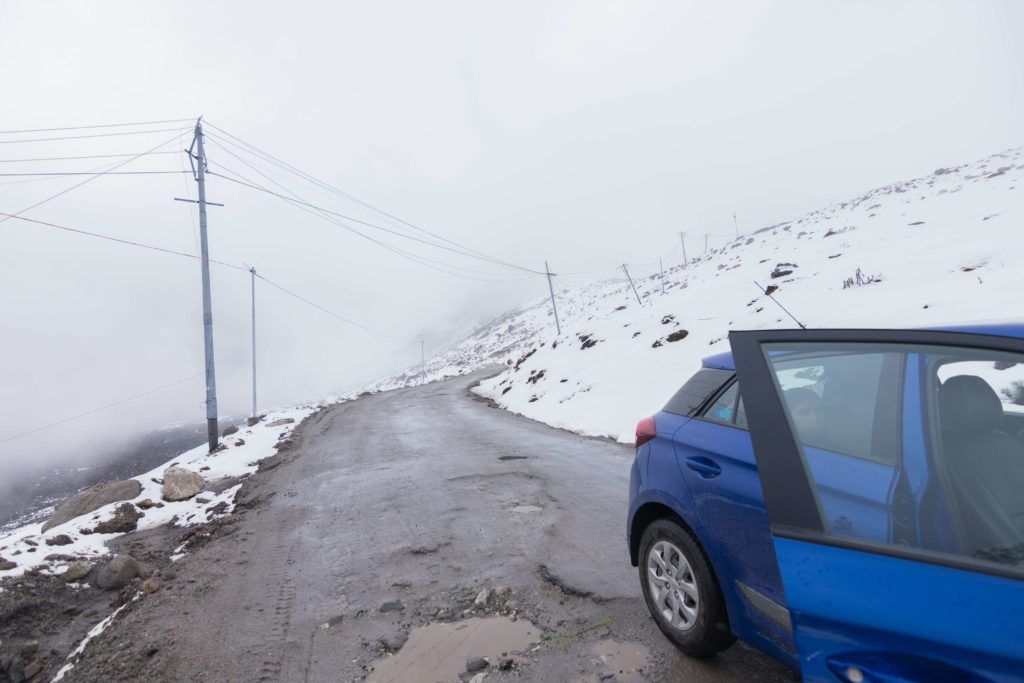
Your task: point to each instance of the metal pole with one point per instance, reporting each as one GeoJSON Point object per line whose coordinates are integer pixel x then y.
{"type": "Point", "coordinates": [626, 271]}
{"type": "Point", "coordinates": [252, 273]}
{"type": "Point", "coordinates": [662, 266]}
{"type": "Point", "coordinates": [423, 360]}
{"type": "Point", "coordinates": [736, 224]}
{"type": "Point", "coordinates": [212, 433]}
{"type": "Point", "coordinates": [705, 243]}
{"type": "Point", "coordinates": [682, 239]}
{"type": "Point", "coordinates": [551, 288]}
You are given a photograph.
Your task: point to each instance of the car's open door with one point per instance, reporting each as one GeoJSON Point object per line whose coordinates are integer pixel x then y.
{"type": "Point", "coordinates": [935, 591]}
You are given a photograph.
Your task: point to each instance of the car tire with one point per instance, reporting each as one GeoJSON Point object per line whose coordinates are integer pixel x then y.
{"type": "Point", "coordinates": [686, 589]}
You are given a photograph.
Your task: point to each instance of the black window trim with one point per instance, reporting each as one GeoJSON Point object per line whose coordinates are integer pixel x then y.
{"type": "Point", "coordinates": [791, 501]}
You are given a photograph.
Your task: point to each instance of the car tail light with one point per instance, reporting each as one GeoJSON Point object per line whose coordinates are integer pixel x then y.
{"type": "Point", "coordinates": [645, 431]}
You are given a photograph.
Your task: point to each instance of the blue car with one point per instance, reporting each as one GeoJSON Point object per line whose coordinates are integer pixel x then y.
{"type": "Point", "coordinates": [848, 501]}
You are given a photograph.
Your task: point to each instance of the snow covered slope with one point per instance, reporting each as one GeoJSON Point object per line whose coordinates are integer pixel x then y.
{"type": "Point", "coordinates": [943, 248]}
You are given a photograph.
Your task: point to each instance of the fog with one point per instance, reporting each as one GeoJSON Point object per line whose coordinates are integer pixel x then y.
{"type": "Point", "coordinates": [583, 133]}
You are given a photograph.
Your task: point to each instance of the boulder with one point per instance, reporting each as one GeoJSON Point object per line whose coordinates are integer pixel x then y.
{"type": "Point", "coordinates": [125, 519]}
{"type": "Point", "coordinates": [76, 571]}
{"type": "Point", "coordinates": [282, 422]}
{"type": "Point", "coordinates": [93, 498]}
{"type": "Point", "coordinates": [59, 539]}
{"type": "Point", "coordinates": [6, 564]}
{"type": "Point", "coordinates": [181, 484]}
{"type": "Point", "coordinates": [228, 431]}
{"type": "Point", "coordinates": [117, 573]}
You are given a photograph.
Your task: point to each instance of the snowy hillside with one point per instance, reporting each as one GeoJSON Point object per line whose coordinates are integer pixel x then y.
{"type": "Point", "coordinates": [943, 248]}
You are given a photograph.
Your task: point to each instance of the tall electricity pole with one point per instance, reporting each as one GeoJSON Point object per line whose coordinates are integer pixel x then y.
{"type": "Point", "coordinates": [423, 359]}
{"type": "Point", "coordinates": [252, 274]}
{"type": "Point", "coordinates": [737, 225]}
{"type": "Point", "coordinates": [551, 288]}
{"type": "Point", "coordinates": [662, 266]}
{"type": "Point", "coordinates": [626, 271]}
{"type": "Point", "coordinates": [212, 432]}
{"type": "Point", "coordinates": [705, 244]}
{"type": "Point", "coordinates": [682, 239]}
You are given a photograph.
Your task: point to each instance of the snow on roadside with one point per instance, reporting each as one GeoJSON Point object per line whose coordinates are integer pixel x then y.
{"type": "Point", "coordinates": [26, 546]}
{"type": "Point", "coordinates": [941, 249]}
{"type": "Point", "coordinates": [96, 630]}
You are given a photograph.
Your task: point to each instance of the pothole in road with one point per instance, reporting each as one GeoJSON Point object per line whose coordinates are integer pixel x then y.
{"type": "Point", "coordinates": [439, 652]}
{"type": "Point", "coordinates": [625, 661]}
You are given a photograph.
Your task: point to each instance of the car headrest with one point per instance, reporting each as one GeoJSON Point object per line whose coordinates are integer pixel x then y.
{"type": "Point", "coordinates": [968, 404]}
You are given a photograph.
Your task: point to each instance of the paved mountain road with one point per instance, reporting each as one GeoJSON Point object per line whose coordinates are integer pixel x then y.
{"type": "Point", "coordinates": [412, 500]}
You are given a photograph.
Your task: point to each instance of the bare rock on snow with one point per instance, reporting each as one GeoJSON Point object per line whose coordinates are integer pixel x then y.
{"type": "Point", "coordinates": [59, 539]}
{"type": "Point", "coordinates": [76, 571]}
{"type": "Point", "coordinates": [6, 564]}
{"type": "Point", "coordinates": [125, 519]}
{"type": "Point", "coordinates": [181, 484]}
{"type": "Point", "coordinates": [282, 422]}
{"type": "Point", "coordinates": [117, 573]}
{"type": "Point", "coordinates": [93, 498]}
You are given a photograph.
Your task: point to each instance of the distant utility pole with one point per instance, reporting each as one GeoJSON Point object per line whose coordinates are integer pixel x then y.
{"type": "Point", "coordinates": [682, 240]}
{"type": "Point", "coordinates": [662, 267]}
{"type": "Point", "coordinates": [705, 244]}
{"type": "Point", "coordinates": [252, 276]}
{"type": "Point", "coordinates": [423, 359]}
{"type": "Point", "coordinates": [212, 433]}
{"type": "Point", "coordinates": [737, 225]}
{"type": "Point", "coordinates": [626, 271]}
{"type": "Point", "coordinates": [554, 307]}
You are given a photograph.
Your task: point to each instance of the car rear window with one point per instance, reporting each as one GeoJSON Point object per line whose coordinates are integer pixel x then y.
{"type": "Point", "coordinates": [697, 390]}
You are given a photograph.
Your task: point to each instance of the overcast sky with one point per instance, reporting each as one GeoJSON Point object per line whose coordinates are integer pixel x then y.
{"type": "Point", "coordinates": [584, 133]}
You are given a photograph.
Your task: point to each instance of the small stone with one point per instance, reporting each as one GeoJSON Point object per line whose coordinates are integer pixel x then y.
{"type": "Point", "coordinates": [479, 678]}
{"type": "Point", "coordinates": [6, 565]}
{"type": "Point", "coordinates": [392, 606]}
{"type": "Point", "coordinates": [482, 597]}
{"type": "Point", "coordinates": [60, 539]}
{"type": "Point", "coordinates": [76, 571]}
{"type": "Point", "coordinates": [151, 585]}
{"type": "Point", "coordinates": [146, 503]}
{"type": "Point", "coordinates": [505, 663]}
{"type": "Point", "coordinates": [252, 421]}
{"type": "Point", "coordinates": [282, 422]}
{"type": "Point", "coordinates": [32, 669]}
{"type": "Point", "coordinates": [475, 664]}
{"type": "Point", "coordinates": [202, 500]}
{"type": "Point", "coordinates": [393, 642]}
{"type": "Point", "coordinates": [228, 431]}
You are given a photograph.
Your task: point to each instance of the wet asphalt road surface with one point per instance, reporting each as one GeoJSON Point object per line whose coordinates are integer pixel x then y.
{"type": "Point", "coordinates": [393, 512]}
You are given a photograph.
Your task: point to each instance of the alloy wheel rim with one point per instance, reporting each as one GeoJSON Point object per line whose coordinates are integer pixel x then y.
{"type": "Point", "coordinates": [673, 585]}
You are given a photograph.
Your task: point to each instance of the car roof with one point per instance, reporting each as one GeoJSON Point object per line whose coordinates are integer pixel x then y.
{"type": "Point", "coordinates": [724, 361]}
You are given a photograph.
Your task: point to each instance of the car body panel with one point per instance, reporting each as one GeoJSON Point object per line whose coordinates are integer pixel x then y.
{"type": "Point", "coordinates": [870, 608]}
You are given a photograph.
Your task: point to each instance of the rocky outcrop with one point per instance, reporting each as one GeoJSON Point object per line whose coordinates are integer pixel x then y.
{"type": "Point", "coordinates": [181, 484]}
{"type": "Point", "coordinates": [93, 498]}
{"type": "Point", "coordinates": [76, 571]}
{"type": "Point", "coordinates": [125, 519]}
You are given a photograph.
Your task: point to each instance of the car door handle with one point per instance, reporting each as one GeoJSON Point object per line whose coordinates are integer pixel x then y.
{"type": "Point", "coordinates": [705, 467]}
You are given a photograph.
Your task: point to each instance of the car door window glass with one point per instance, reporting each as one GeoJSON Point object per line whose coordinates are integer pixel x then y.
{"type": "Point", "coordinates": [959, 484]}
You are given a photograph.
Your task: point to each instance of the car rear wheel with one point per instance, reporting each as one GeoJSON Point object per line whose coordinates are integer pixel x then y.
{"type": "Point", "coordinates": [681, 591]}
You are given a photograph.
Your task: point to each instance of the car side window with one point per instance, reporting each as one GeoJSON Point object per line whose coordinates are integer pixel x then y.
{"type": "Point", "coordinates": [723, 409]}
{"type": "Point", "coordinates": [957, 490]}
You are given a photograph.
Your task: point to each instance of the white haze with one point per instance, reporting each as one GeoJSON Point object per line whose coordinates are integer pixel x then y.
{"type": "Point", "coordinates": [585, 133]}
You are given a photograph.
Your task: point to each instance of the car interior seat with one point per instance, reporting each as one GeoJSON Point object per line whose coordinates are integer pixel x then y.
{"type": "Point", "coordinates": [985, 465]}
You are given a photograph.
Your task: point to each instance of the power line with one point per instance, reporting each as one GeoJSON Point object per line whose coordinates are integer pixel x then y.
{"type": "Point", "coordinates": [87, 156]}
{"type": "Point", "coordinates": [72, 173]}
{"type": "Point", "coordinates": [99, 125]}
{"type": "Point", "coordinates": [93, 177]}
{"type": "Point", "coordinates": [330, 312]}
{"type": "Point", "coordinates": [114, 239]}
{"type": "Point", "coordinates": [96, 410]}
{"type": "Point", "coordinates": [281, 164]}
{"type": "Point", "coordinates": [96, 135]}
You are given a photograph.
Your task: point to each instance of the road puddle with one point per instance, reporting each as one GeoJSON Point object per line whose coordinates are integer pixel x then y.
{"type": "Point", "coordinates": [624, 660]}
{"type": "Point", "coordinates": [438, 652]}
{"type": "Point", "coordinates": [525, 509]}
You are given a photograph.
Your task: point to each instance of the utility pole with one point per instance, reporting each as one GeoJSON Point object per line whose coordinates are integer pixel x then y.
{"type": "Point", "coordinates": [737, 225]}
{"type": "Point", "coordinates": [423, 359]}
{"type": "Point", "coordinates": [212, 432]}
{"type": "Point", "coordinates": [626, 271]}
{"type": "Point", "coordinates": [252, 275]}
{"type": "Point", "coordinates": [662, 266]}
{"type": "Point", "coordinates": [682, 240]}
{"type": "Point", "coordinates": [705, 244]}
{"type": "Point", "coordinates": [554, 307]}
